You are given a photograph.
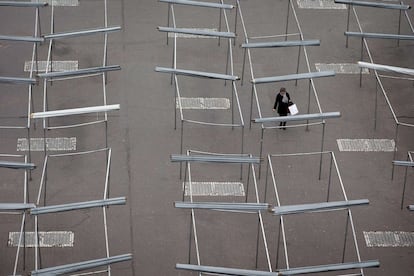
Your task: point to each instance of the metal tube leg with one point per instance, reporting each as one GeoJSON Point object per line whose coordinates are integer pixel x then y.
{"type": "Point", "coordinates": [248, 183]}
{"type": "Point", "coordinates": [235, 24]}
{"type": "Point", "coordinates": [347, 24]}
{"type": "Point", "coordinates": [329, 180]}
{"type": "Point", "coordinates": [403, 193]}
{"type": "Point", "coordinates": [243, 66]}
{"type": "Point", "coordinates": [261, 151]}
{"type": "Point", "coordinates": [257, 241]}
{"type": "Point", "coordinates": [278, 243]}
{"type": "Point", "coordinates": [322, 142]}
{"type": "Point", "coordinates": [287, 20]}
{"type": "Point", "coordinates": [395, 150]}
{"type": "Point", "coordinates": [189, 240]}
{"type": "Point", "coordinates": [362, 58]}
{"type": "Point", "coordinates": [251, 108]}
{"type": "Point", "coordinates": [346, 235]}
{"type": "Point", "coordinates": [219, 26]}
{"type": "Point", "coordinates": [181, 145]}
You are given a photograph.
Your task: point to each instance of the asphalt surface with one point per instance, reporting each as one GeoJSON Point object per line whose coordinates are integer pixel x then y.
{"type": "Point", "coordinates": [142, 138]}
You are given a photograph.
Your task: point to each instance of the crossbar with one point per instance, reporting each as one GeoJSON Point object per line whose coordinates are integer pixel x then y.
{"type": "Point", "coordinates": [403, 163]}
{"type": "Point", "coordinates": [74, 111]}
{"type": "Point", "coordinates": [82, 32]}
{"type": "Point", "coordinates": [315, 207]}
{"type": "Point", "coordinates": [22, 38]}
{"type": "Point", "coordinates": [386, 68]}
{"type": "Point", "coordinates": [23, 4]}
{"type": "Point", "coordinates": [301, 117]}
{"type": "Point", "coordinates": [275, 44]}
{"type": "Point", "coordinates": [17, 165]}
{"type": "Point", "coordinates": [214, 159]}
{"type": "Point", "coordinates": [294, 77]}
{"type": "Point", "coordinates": [16, 206]}
{"type": "Point", "coordinates": [191, 73]}
{"type": "Point", "coordinates": [79, 72]}
{"type": "Point", "coordinates": [380, 36]}
{"type": "Point", "coordinates": [199, 4]}
{"type": "Point", "coordinates": [196, 32]}
{"type": "Point", "coordinates": [222, 206]}
{"type": "Point", "coordinates": [374, 4]}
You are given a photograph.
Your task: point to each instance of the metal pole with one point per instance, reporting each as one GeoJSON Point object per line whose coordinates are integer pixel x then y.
{"type": "Point", "coordinates": [297, 67]}
{"type": "Point", "coordinates": [261, 151]}
{"type": "Point", "coordinates": [323, 138]}
{"type": "Point", "coordinates": [181, 146]}
{"type": "Point", "coordinates": [278, 244]}
{"type": "Point", "coordinates": [175, 104]}
{"type": "Point", "coordinates": [247, 184]}
{"type": "Point", "coordinates": [189, 240]}
{"type": "Point", "coordinates": [329, 180]}
{"type": "Point", "coordinates": [309, 98]}
{"type": "Point", "coordinates": [347, 25]}
{"type": "Point", "coordinates": [251, 108]}
{"type": "Point", "coordinates": [257, 241]}
{"type": "Point", "coordinates": [395, 149]}
{"type": "Point", "coordinates": [232, 105]}
{"type": "Point", "coordinates": [168, 18]}
{"type": "Point", "coordinates": [185, 178]}
{"type": "Point", "coordinates": [361, 58]}
{"type": "Point", "coordinates": [242, 151]}
{"type": "Point", "coordinates": [346, 234]}
{"type": "Point", "coordinates": [266, 179]}
{"type": "Point", "coordinates": [376, 104]}
{"type": "Point", "coordinates": [399, 27]}
{"type": "Point", "coordinates": [219, 26]}
{"type": "Point", "coordinates": [235, 24]}
{"type": "Point", "coordinates": [287, 20]}
{"type": "Point", "coordinates": [244, 62]}
{"type": "Point", "coordinates": [405, 182]}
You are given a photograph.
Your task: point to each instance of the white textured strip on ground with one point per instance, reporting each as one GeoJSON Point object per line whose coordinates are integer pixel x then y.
{"type": "Point", "coordinates": [171, 35]}
{"type": "Point", "coordinates": [366, 145]}
{"type": "Point", "coordinates": [320, 4]}
{"type": "Point", "coordinates": [214, 189]}
{"type": "Point", "coordinates": [389, 239]}
{"type": "Point", "coordinates": [203, 103]}
{"type": "Point", "coordinates": [46, 239]}
{"type": "Point", "coordinates": [57, 66]}
{"type": "Point", "coordinates": [341, 68]}
{"type": "Point", "coordinates": [61, 3]}
{"type": "Point", "coordinates": [52, 144]}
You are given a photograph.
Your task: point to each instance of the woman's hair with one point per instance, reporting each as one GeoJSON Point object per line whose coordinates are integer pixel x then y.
{"type": "Point", "coordinates": [282, 89]}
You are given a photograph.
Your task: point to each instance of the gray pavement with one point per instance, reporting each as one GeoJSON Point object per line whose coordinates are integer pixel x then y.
{"type": "Point", "coordinates": [142, 137]}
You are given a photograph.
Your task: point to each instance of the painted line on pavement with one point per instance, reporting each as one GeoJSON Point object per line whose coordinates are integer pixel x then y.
{"type": "Point", "coordinates": [52, 144]}
{"type": "Point", "coordinates": [341, 68]}
{"type": "Point", "coordinates": [57, 66]}
{"type": "Point", "coordinates": [389, 239]}
{"type": "Point", "coordinates": [214, 189]}
{"type": "Point", "coordinates": [320, 4]}
{"type": "Point", "coordinates": [179, 35]}
{"type": "Point", "coordinates": [203, 103]}
{"type": "Point", "coordinates": [366, 145]}
{"type": "Point", "coordinates": [46, 239]}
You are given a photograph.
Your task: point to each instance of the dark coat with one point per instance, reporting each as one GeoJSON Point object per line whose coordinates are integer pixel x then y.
{"type": "Point", "coordinates": [281, 107]}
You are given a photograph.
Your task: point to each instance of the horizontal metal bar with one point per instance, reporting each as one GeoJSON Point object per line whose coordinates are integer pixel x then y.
{"type": "Point", "coordinates": [222, 206]}
{"type": "Point", "coordinates": [374, 4]}
{"type": "Point", "coordinates": [199, 4]}
{"type": "Point", "coordinates": [403, 163]}
{"type": "Point", "coordinates": [13, 80]}
{"type": "Point", "coordinates": [274, 44]}
{"type": "Point", "coordinates": [380, 36]}
{"type": "Point", "coordinates": [294, 77]}
{"type": "Point", "coordinates": [191, 73]}
{"type": "Point", "coordinates": [290, 271]}
{"type": "Point", "coordinates": [410, 207]}
{"type": "Point", "coordinates": [329, 267]}
{"type": "Point", "coordinates": [214, 159]}
{"type": "Point", "coordinates": [79, 72]}
{"type": "Point", "coordinates": [69, 268]}
{"type": "Point", "coordinates": [224, 270]}
{"type": "Point", "coordinates": [23, 4]}
{"type": "Point", "coordinates": [16, 206]}
{"type": "Point", "coordinates": [315, 207]}
{"type": "Point", "coordinates": [386, 68]}
{"type": "Point", "coordinates": [301, 117]}
{"type": "Point", "coordinates": [82, 32]}
{"type": "Point", "coordinates": [74, 111]}
{"type": "Point", "coordinates": [17, 165]}
{"type": "Point", "coordinates": [21, 38]}
{"type": "Point", "coordinates": [196, 32]}
{"type": "Point", "coordinates": [77, 206]}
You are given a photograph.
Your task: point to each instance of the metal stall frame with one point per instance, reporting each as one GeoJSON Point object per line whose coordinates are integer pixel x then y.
{"type": "Point", "coordinates": [228, 76]}
{"type": "Point", "coordinates": [247, 207]}
{"type": "Point", "coordinates": [18, 208]}
{"type": "Point", "coordinates": [43, 208]}
{"type": "Point", "coordinates": [402, 8]}
{"type": "Point", "coordinates": [286, 210]}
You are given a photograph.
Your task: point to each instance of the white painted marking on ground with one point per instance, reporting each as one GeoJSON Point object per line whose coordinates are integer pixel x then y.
{"type": "Point", "coordinates": [57, 66]}
{"type": "Point", "coordinates": [387, 145]}
{"type": "Point", "coordinates": [389, 239]}
{"type": "Point", "coordinates": [46, 239]}
{"type": "Point", "coordinates": [203, 103]}
{"type": "Point", "coordinates": [52, 144]}
{"type": "Point", "coordinates": [341, 68]}
{"type": "Point", "coordinates": [179, 35]}
{"type": "Point", "coordinates": [320, 4]}
{"type": "Point", "coordinates": [214, 189]}
{"type": "Point", "coordinates": [61, 3]}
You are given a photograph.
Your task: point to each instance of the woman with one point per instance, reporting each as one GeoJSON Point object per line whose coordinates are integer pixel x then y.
{"type": "Point", "coordinates": [282, 104]}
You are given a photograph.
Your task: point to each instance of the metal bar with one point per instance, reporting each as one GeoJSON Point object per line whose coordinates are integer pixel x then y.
{"type": "Point", "coordinates": [192, 73]}
{"type": "Point", "coordinates": [196, 32]}
{"type": "Point", "coordinates": [23, 4]}
{"type": "Point", "coordinates": [199, 4]}
{"type": "Point", "coordinates": [301, 117]}
{"type": "Point", "coordinates": [224, 270]}
{"type": "Point", "coordinates": [294, 77]}
{"type": "Point", "coordinates": [22, 38]}
{"type": "Point", "coordinates": [77, 206]}
{"type": "Point", "coordinates": [79, 72]}
{"type": "Point", "coordinates": [74, 111]}
{"type": "Point", "coordinates": [222, 206]}
{"type": "Point", "coordinates": [217, 159]}
{"type": "Point", "coordinates": [17, 165]}
{"type": "Point", "coordinates": [380, 36]}
{"type": "Point", "coordinates": [69, 268]}
{"type": "Point", "coordinates": [315, 42]}
{"type": "Point", "coordinates": [374, 4]}
{"type": "Point", "coordinates": [386, 68]}
{"type": "Point", "coordinates": [16, 206]}
{"type": "Point", "coordinates": [81, 32]}
{"type": "Point", "coordinates": [403, 163]}
{"type": "Point", "coordinates": [315, 207]}
{"type": "Point", "coordinates": [14, 80]}
{"type": "Point", "coordinates": [410, 207]}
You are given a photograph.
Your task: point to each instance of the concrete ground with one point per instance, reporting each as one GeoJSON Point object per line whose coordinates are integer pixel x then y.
{"type": "Point", "coordinates": [142, 138]}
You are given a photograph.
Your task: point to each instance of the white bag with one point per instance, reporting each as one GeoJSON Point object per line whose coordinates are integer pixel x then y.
{"type": "Point", "coordinates": [293, 109]}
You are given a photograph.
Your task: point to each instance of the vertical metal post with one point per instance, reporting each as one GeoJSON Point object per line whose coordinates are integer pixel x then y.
{"type": "Point", "coordinates": [309, 98]}
{"type": "Point", "coordinates": [248, 183]}
{"type": "Point", "coordinates": [297, 66]}
{"type": "Point", "coordinates": [287, 20]}
{"type": "Point", "coordinates": [361, 58]}
{"type": "Point", "coordinates": [235, 23]}
{"type": "Point", "coordinates": [405, 182]}
{"type": "Point", "coordinates": [278, 244]}
{"type": "Point", "coordinates": [329, 179]}
{"type": "Point", "coordinates": [399, 25]}
{"type": "Point", "coordinates": [168, 19]}
{"type": "Point", "coordinates": [175, 104]}
{"type": "Point", "coordinates": [251, 107]}
{"type": "Point", "coordinates": [347, 25]}
{"type": "Point", "coordinates": [219, 29]}
{"type": "Point", "coordinates": [30, 151]}
{"type": "Point", "coordinates": [346, 235]}
{"type": "Point", "coordinates": [244, 62]}
{"type": "Point", "coordinates": [266, 181]}
{"type": "Point", "coordinates": [232, 104]}
{"type": "Point", "coordinates": [376, 104]}
{"type": "Point", "coordinates": [181, 145]}
{"type": "Point", "coordinates": [322, 144]}
{"type": "Point", "coordinates": [261, 150]}
{"type": "Point", "coordinates": [257, 240]}
{"type": "Point", "coordinates": [185, 178]}
{"type": "Point", "coordinates": [189, 240]}
{"type": "Point", "coordinates": [395, 149]}
{"type": "Point", "coordinates": [227, 60]}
